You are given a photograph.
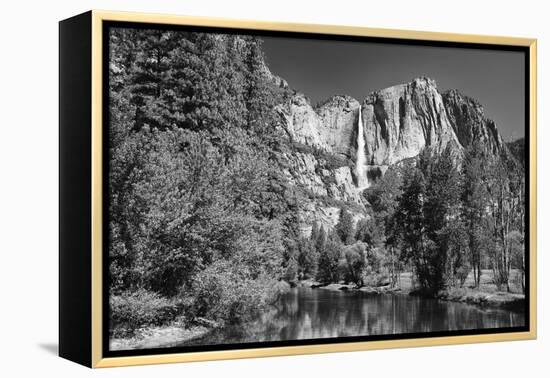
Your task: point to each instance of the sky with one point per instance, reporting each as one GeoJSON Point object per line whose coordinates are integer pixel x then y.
{"type": "Point", "coordinates": [323, 68]}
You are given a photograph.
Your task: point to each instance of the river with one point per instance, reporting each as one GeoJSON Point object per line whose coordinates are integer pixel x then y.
{"type": "Point", "coordinates": [305, 313]}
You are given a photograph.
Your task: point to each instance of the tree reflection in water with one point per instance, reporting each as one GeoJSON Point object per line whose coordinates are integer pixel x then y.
{"type": "Point", "coordinates": [316, 313]}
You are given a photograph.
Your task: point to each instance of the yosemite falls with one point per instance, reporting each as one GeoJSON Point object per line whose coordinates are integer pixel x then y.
{"type": "Point", "coordinates": [345, 145]}
{"type": "Point", "coordinates": [362, 179]}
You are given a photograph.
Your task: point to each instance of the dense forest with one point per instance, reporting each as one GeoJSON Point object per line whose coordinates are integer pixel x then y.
{"type": "Point", "coordinates": [200, 219]}
{"type": "Point", "coordinates": [203, 220]}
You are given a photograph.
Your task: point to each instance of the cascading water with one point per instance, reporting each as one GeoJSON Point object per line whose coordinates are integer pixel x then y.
{"type": "Point", "coordinates": [362, 179]}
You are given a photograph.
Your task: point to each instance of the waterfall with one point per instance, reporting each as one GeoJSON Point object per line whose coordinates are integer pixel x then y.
{"type": "Point", "coordinates": [362, 180]}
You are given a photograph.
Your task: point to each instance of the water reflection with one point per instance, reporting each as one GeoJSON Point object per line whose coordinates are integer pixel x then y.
{"type": "Point", "coordinates": [316, 313]}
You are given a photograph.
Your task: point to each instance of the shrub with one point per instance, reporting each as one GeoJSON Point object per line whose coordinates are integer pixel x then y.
{"type": "Point", "coordinates": [130, 311]}
{"type": "Point", "coordinates": [462, 273]}
{"type": "Point", "coordinates": [275, 291]}
{"type": "Point", "coordinates": [224, 292]}
{"type": "Point", "coordinates": [375, 279]}
{"type": "Point", "coordinates": [355, 258]}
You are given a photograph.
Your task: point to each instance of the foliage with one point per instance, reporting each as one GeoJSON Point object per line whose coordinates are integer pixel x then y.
{"type": "Point", "coordinates": [320, 240]}
{"type": "Point", "coordinates": [228, 292]}
{"type": "Point", "coordinates": [132, 310]}
{"type": "Point", "coordinates": [356, 261]}
{"type": "Point", "coordinates": [291, 270]}
{"type": "Point", "coordinates": [383, 197]}
{"type": "Point", "coordinates": [454, 242]}
{"type": "Point", "coordinates": [329, 257]}
{"type": "Point", "coordinates": [506, 188]}
{"type": "Point", "coordinates": [307, 258]}
{"type": "Point", "coordinates": [475, 197]}
{"type": "Point", "coordinates": [517, 247]}
{"type": "Point", "coordinates": [426, 210]}
{"type": "Point", "coordinates": [198, 198]}
{"type": "Point", "coordinates": [345, 228]}
{"type": "Point", "coordinates": [370, 231]}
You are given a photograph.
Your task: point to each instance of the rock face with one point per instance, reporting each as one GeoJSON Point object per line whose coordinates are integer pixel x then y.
{"type": "Point", "coordinates": [469, 122]}
{"type": "Point", "coordinates": [309, 172]}
{"type": "Point", "coordinates": [324, 189]}
{"type": "Point", "coordinates": [398, 123]}
{"type": "Point", "coordinates": [338, 116]}
{"type": "Point", "coordinates": [401, 120]}
{"type": "Point", "coordinates": [517, 149]}
{"type": "Point", "coordinates": [331, 127]}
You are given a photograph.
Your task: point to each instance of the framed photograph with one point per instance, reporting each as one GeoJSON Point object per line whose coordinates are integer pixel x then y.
{"type": "Point", "coordinates": [234, 189]}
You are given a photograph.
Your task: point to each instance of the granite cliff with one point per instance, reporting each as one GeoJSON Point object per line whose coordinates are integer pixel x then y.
{"type": "Point", "coordinates": [397, 124]}
{"type": "Point", "coordinates": [469, 122]}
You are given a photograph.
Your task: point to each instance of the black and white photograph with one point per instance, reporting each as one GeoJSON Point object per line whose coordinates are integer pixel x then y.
{"type": "Point", "coordinates": [271, 188]}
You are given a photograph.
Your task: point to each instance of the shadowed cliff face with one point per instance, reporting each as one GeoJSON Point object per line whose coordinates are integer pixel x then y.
{"type": "Point", "coordinates": [469, 122]}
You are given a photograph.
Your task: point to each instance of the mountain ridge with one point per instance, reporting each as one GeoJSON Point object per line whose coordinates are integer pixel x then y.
{"type": "Point", "coordinates": [399, 122]}
{"type": "Point", "coordinates": [452, 108]}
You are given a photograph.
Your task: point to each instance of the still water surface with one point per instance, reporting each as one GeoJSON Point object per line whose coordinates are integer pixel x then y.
{"type": "Point", "coordinates": [305, 313]}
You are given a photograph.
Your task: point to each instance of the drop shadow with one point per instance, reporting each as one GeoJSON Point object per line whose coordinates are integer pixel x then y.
{"type": "Point", "coordinates": [51, 348]}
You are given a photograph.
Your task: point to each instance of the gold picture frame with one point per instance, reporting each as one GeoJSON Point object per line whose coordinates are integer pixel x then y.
{"type": "Point", "coordinates": [92, 326]}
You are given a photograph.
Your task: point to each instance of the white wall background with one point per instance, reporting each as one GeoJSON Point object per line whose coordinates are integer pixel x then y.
{"type": "Point", "coordinates": [28, 186]}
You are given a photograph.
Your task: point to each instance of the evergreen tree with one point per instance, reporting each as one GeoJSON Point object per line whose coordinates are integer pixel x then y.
{"type": "Point", "coordinates": [370, 231]}
{"type": "Point", "coordinates": [411, 225]}
{"type": "Point", "coordinates": [315, 231]}
{"type": "Point", "coordinates": [383, 197]}
{"type": "Point", "coordinates": [345, 228]}
{"type": "Point", "coordinates": [321, 241]}
{"type": "Point", "coordinates": [328, 262]}
{"type": "Point", "coordinates": [307, 258]}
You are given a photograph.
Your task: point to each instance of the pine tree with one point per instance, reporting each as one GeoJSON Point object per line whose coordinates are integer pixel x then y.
{"type": "Point", "coordinates": [307, 258]}
{"type": "Point", "coordinates": [383, 197]}
{"type": "Point", "coordinates": [345, 228]}
{"type": "Point", "coordinates": [328, 262]}
{"type": "Point", "coordinates": [315, 230]}
{"type": "Point", "coordinates": [370, 231]}
{"type": "Point", "coordinates": [321, 240]}
{"type": "Point", "coordinates": [410, 224]}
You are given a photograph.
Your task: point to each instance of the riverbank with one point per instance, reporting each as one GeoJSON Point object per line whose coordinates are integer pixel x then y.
{"type": "Point", "coordinates": [505, 300]}
{"type": "Point", "coordinates": [161, 336]}
{"type": "Point", "coordinates": [345, 287]}
{"type": "Point", "coordinates": [387, 289]}
{"type": "Point", "coordinates": [486, 295]}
